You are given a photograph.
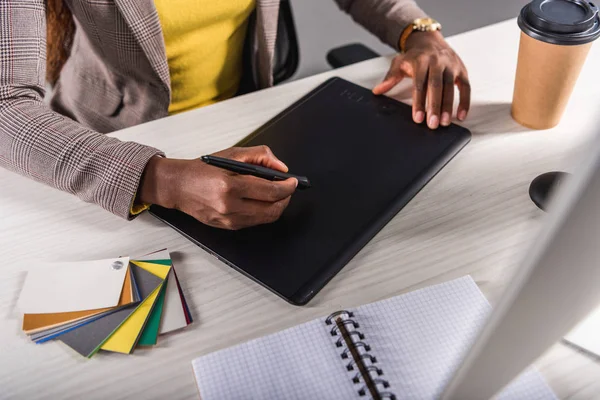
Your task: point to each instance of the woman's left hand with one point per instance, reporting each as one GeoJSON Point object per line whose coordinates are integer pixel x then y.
{"type": "Point", "coordinates": [435, 69]}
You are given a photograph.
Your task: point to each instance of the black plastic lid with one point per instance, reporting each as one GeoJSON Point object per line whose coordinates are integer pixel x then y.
{"type": "Point", "coordinates": [563, 22]}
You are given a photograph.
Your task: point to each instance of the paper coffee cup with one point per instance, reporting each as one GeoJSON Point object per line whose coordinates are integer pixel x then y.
{"type": "Point", "coordinates": [556, 36]}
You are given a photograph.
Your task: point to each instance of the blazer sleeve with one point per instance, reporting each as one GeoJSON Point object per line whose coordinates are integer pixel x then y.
{"type": "Point", "coordinates": [386, 19]}
{"type": "Point", "coordinates": [47, 146]}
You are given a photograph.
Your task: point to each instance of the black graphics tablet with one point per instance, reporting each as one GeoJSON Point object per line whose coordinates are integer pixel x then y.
{"type": "Point", "coordinates": [365, 158]}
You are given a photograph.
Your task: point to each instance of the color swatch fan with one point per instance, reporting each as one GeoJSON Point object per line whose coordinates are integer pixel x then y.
{"type": "Point", "coordinates": [113, 305]}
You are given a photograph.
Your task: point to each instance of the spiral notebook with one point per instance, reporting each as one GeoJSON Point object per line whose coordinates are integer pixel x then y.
{"type": "Point", "coordinates": [405, 347]}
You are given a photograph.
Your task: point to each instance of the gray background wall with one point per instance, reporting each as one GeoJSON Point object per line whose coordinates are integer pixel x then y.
{"type": "Point", "coordinates": [322, 26]}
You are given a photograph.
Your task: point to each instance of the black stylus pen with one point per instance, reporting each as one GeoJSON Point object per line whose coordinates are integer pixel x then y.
{"type": "Point", "coordinates": [254, 170]}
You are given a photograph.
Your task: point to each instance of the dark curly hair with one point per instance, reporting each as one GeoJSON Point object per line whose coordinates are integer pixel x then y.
{"type": "Point", "coordinates": [60, 29]}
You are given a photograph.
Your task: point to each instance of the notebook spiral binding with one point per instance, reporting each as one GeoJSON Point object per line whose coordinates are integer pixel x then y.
{"type": "Point", "coordinates": [344, 320]}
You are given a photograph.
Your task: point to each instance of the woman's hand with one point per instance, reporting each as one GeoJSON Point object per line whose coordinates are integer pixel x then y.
{"type": "Point", "coordinates": [217, 197]}
{"type": "Point", "coordinates": [435, 68]}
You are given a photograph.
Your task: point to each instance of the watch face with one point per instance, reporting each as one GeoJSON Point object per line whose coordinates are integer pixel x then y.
{"type": "Point", "coordinates": [425, 21]}
{"type": "Point", "coordinates": [427, 24]}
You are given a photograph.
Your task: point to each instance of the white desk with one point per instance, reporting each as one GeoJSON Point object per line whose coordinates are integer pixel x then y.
{"type": "Point", "coordinates": [474, 218]}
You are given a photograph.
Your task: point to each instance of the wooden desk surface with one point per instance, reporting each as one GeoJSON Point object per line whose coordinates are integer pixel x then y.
{"type": "Point", "coordinates": [474, 218]}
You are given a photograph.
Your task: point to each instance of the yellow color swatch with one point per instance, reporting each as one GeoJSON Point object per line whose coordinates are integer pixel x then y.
{"type": "Point", "coordinates": [126, 336]}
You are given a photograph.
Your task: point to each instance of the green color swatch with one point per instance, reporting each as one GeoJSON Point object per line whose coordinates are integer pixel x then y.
{"type": "Point", "coordinates": [150, 332]}
{"type": "Point", "coordinates": [161, 262]}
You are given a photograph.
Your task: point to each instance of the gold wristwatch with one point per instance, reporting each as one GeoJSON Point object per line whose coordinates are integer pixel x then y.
{"type": "Point", "coordinates": [421, 25]}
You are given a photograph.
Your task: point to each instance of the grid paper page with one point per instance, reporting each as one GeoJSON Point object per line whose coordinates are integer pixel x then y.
{"type": "Point", "coordinates": [297, 364]}
{"type": "Point", "coordinates": [420, 338]}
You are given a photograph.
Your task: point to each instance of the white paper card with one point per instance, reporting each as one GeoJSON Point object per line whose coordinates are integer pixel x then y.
{"type": "Point", "coordinates": [173, 317]}
{"type": "Point", "coordinates": [75, 286]}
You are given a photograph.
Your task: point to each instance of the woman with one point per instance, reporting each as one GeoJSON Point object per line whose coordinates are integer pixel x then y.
{"type": "Point", "coordinates": [118, 63]}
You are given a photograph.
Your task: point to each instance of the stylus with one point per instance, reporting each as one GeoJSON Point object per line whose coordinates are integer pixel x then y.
{"type": "Point", "coordinates": [255, 170]}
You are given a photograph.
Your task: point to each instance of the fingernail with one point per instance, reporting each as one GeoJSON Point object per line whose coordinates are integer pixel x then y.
{"type": "Point", "coordinates": [379, 88]}
{"type": "Point", "coordinates": [462, 115]}
{"type": "Point", "coordinates": [445, 119]}
{"type": "Point", "coordinates": [419, 117]}
{"type": "Point", "coordinates": [433, 122]}
{"type": "Point", "coordinates": [296, 180]}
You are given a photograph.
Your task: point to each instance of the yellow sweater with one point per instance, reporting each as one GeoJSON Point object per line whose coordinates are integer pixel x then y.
{"type": "Point", "coordinates": [204, 41]}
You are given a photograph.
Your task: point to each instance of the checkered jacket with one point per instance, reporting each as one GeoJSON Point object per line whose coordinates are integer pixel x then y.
{"type": "Point", "coordinates": [117, 76]}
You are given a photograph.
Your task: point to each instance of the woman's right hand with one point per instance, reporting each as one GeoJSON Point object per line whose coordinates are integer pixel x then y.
{"type": "Point", "coordinates": [217, 197]}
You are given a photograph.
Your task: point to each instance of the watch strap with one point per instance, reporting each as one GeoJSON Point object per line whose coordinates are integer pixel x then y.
{"type": "Point", "coordinates": [410, 28]}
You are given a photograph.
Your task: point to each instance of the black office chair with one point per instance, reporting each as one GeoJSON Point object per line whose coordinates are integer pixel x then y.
{"type": "Point", "coordinates": [287, 50]}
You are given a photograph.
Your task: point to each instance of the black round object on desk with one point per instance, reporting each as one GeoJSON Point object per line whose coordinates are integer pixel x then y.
{"type": "Point", "coordinates": [541, 188]}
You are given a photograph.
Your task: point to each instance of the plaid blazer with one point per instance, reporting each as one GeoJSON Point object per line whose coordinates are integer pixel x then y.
{"type": "Point", "coordinates": [116, 76]}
